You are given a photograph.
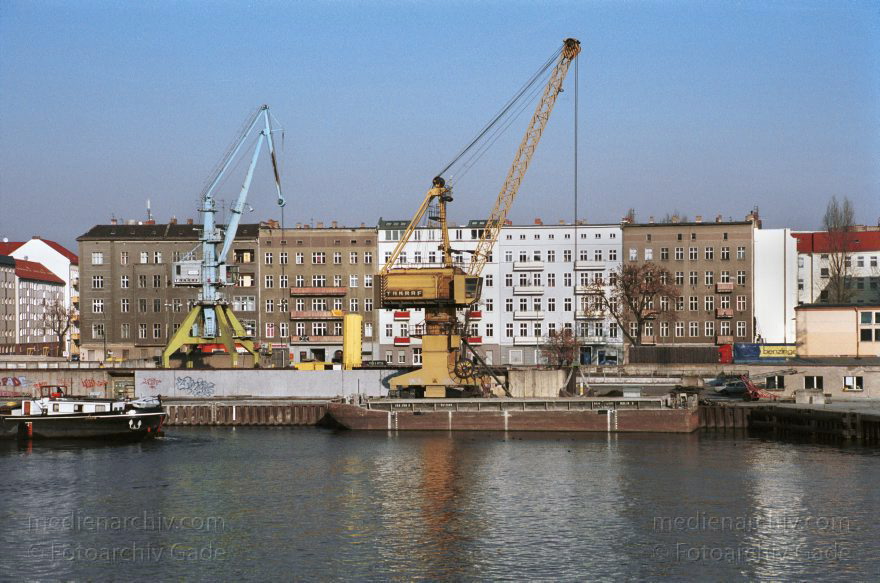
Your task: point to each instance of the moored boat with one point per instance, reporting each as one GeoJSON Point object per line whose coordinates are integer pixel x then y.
{"type": "Point", "coordinates": [54, 415]}
{"type": "Point", "coordinates": [648, 414]}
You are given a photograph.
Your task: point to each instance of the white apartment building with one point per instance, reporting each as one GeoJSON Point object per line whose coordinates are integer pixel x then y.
{"type": "Point", "coordinates": [545, 272]}
{"type": "Point", "coordinates": [36, 290]}
{"type": "Point", "coordinates": [775, 281]}
{"type": "Point", "coordinates": [398, 330]}
{"type": "Point", "coordinates": [863, 266]}
{"type": "Point", "coordinates": [536, 282]}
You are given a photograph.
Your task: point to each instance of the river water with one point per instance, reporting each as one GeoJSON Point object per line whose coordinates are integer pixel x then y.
{"type": "Point", "coordinates": [315, 504]}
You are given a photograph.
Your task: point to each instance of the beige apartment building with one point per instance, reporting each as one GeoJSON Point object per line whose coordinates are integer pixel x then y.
{"type": "Point", "coordinates": [712, 265]}
{"type": "Point", "coordinates": [311, 277]}
{"type": "Point", "coordinates": [829, 330]}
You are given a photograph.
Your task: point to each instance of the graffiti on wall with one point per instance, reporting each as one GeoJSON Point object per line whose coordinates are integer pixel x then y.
{"type": "Point", "coordinates": [13, 386]}
{"type": "Point", "coordinates": [194, 387]}
{"type": "Point", "coordinates": [151, 382]}
{"type": "Point", "coordinates": [94, 383]}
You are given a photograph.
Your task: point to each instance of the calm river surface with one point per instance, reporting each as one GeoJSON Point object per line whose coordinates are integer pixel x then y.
{"type": "Point", "coordinates": [313, 504]}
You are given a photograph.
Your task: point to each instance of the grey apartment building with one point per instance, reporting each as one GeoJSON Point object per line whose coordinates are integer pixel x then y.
{"type": "Point", "coordinates": [712, 265]}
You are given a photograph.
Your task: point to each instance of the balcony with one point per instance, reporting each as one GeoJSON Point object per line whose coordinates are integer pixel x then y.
{"type": "Point", "coordinates": [475, 340]}
{"type": "Point", "coordinates": [318, 291]}
{"type": "Point", "coordinates": [402, 340]}
{"type": "Point", "coordinates": [528, 315]}
{"type": "Point", "coordinates": [528, 290]}
{"type": "Point", "coordinates": [316, 339]}
{"type": "Point", "coordinates": [528, 265]}
{"type": "Point", "coordinates": [475, 315]}
{"type": "Point", "coordinates": [594, 340]}
{"type": "Point", "coordinates": [649, 340]}
{"type": "Point", "coordinates": [583, 290]}
{"type": "Point", "coordinates": [75, 337]}
{"type": "Point", "coordinates": [74, 282]}
{"type": "Point", "coordinates": [526, 340]}
{"type": "Point", "coordinates": [724, 312]}
{"type": "Point", "coordinates": [401, 315]}
{"type": "Point", "coordinates": [724, 288]}
{"type": "Point", "coordinates": [316, 314]}
{"type": "Point", "coordinates": [584, 265]}
{"type": "Point", "coordinates": [724, 340]}
{"type": "Point", "coordinates": [590, 314]}
{"type": "Point", "coordinates": [74, 299]}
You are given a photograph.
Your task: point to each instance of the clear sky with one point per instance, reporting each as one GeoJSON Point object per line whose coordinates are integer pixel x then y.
{"type": "Point", "coordinates": [698, 106]}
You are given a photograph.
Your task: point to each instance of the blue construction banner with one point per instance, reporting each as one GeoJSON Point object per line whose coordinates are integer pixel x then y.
{"type": "Point", "coordinates": [745, 352]}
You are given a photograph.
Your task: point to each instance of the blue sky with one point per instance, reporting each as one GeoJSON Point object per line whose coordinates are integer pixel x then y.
{"type": "Point", "coordinates": [701, 107]}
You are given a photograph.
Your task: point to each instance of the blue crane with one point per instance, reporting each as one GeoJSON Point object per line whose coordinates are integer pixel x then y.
{"type": "Point", "coordinates": [211, 319]}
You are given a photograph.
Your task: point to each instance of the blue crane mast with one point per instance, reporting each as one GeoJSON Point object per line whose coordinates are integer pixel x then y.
{"type": "Point", "coordinates": [211, 319]}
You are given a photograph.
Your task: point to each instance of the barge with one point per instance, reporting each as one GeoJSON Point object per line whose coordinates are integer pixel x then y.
{"type": "Point", "coordinates": [54, 415]}
{"type": "Point", "coordinates": [602, 414]}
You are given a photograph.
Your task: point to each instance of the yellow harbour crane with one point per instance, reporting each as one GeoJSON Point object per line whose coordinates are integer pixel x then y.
{"type": "Point", "coordinates": [447, 369]}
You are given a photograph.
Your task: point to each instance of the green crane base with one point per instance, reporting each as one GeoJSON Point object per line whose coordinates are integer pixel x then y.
{"type": "Point", "coordinates": [230, 332]}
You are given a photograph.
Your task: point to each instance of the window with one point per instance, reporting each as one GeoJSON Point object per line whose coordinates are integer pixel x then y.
{"type": "Point", "coordinates": [124, 305]}
{"type": "Point", "coordinates": [157, 259]}
{"type": "Point", "coordinates": [125, 332]}
{"type": "Point", "coordinates": [97, 258]}
{"type": "Point", "coordinates": [551, 280]}
{"type": "Point", "coordinates": [694, 329]}
{"type": "Point", "coordinates": [142, 281]}
{"type": "Point", "coordinates": [694, 277]}
{"type": "Point", "coordinates": [352, 281]}
{"type": "Point", "coordinates": [368, 257]}
{"type": "Point", "coordinates": [709, 253]}
{"type": "Point", "coordinates": [709, 328]}
{"type": "Point", "coordinates": [270, 329]}
{"type": "Point", "coordinates": [176, 305]}
{"type": "Point", "coordinates": [664, 253]}
{"type": "Point", "coordinates": [123, 258]}
{"type": "Point", "coordinates": [282, 258]}
{"type": "Point", "coordinates": [813, 382]}
{"type": "Point", "coordinates": [353, 305]}
{"type": "Point", "coordinates": [269, 281]}
{"type": "Point", "coordinates": [664, 329]}
{"type": "Point", "coordinates": [319, 280]}
{"type": "Point", "coordinates": [157, 331]}
{"type": "Point", "coordinates": [283, 281]}
{"type": "Point", "coordinates": [725, 254]}
{"type": "Point", "coordinates": [508, 280]}
{"type": "Point", "coordinates": [157, 305]}
{"type": "Point", "coordinates": [679, 278]}
{"type": "Point", "coordinates": [740, 329]}
{"type": "Point", "coordinates": [157, 281]}
{"type": "Point", "coordinates": [741, 277]}
{"type": "Point", "coordinates": [142, 331]}
{"type": "Point", "coordinates": [709, 304]}
{"type": "Point", "coordinates": [649, 254]}
{"type": "Point", "coordinates": [551, 304]}
{"type": "Point", "coordinates": [299, 258]}
{"type": "Point", "coordinates": [740, 303]}
{"type": "Point", "coordinates": [270, 305]}
{"type": "Point", "coordinates": [776, 382]}
{"type": "Point", "coordinates": [566, 255]}
{"type": "Point", "coordinates": [319, 258]}
{"type": "Point", "coordinates": [267, 258]}
{"type": "Point", "coordinates": [368, 280]}
{"type": "Point", "coordinates": [337, 258]}
{"type": "Point", "coordinates": [679, 329]}
{"type": "Point", "coordinates": [724, 328]}
{"type": "Point", "coordinates": [97, 306]}
{"type": "Point", "coordinates": [853, 384]}
{"type": "Point", "coordinates": [566, 304]}
{"type": "Point", "coordinates": [633, 254]}
{"type": "Point", "coordinates": [566, 279]}
{"type": "Point", "coordinates": [612, 254]}
{"type": "Point", "coordinates": [724, 277]}
{"type": "Point", "coordinates": [489, 280]}
{"type": "Point", "coordinates": [679, 253]}
{"type": "Point", "coordinates": [144, 257]}
{"type": "Point", "coordinates": [142, 305]}
{"type": "Point", "coordinates": [740, 252]}
{"type": "Point", "coordinates": [508, 330]}
{"type": "Point", "coordinates": [694, 303]}
{"type": "Point", "coordinates": [490, 330]}
{"type": "Point", "coordinates": [490, 305]}
{"type": "Point", "coordinates": [551, 256]}
{"type": "Point", "coordinates": [97, 282]}
{"type": "Point", "coordinates": [124, 282]}
{"type": "Point", "coordinates": [508, 305]}
{"type": "Point", "coordinates": [692, 253]}
{"type": "Point", "coordinates": [709, 277]}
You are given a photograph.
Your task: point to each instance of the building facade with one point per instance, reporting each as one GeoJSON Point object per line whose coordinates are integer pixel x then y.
{"type": "Point", "coordinates": [829, 330]}
{"type": "Point", "coordinates": [36, 290]}
{"type": "Point", "coordinates": [712, 265]}
{"type": "Point", "coordinates": [7, 304]}
{"type": "Point", "coordinates": [775, 285]}
{"type": "Point", "coordinates": [862, 265]}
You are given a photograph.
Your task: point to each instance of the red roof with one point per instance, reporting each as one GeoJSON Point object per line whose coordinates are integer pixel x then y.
{"type": "Point", "coordinates": [8, 248]}
{"type": "Point", "coordinates": [819, 241]}
{"type": "Point", "coordinates": [36, 271]}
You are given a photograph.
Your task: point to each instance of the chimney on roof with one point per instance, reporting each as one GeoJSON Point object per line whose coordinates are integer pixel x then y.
{"type": "Point", "coordinates": [538, 221]}
{"type": "Point", "coordinates": [189, 221]}
{"type": "Point", "coordinates": [334, 225]}
{"type": "Point", "coordinates": [698, 219]}
{"type": "Point", "coordinates": [172, 221]}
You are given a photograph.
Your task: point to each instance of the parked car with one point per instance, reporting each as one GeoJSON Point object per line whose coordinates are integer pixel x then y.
{"type": "Point", "coordinates": [733, 388]}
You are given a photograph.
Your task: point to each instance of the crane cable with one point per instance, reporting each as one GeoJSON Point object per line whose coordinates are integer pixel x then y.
{"type": "Point", "coordinates": [504, 110]}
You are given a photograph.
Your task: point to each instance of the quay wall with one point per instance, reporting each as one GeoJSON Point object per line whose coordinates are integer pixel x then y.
{"type": "Point", "coordinates": [190, 384]}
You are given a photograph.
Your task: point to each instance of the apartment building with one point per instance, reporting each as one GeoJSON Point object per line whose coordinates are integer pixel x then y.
{"type": "Point", "coordinates": [36, 290]}
{"type": "Point", "coordinates": [712, 264]}
{"type": "Point", "coordinates": [61, 262]}
{"type": "Point", "coordinates": [862, 265]}
{"type": "Point", "coordinates": [310, 278]}
{"type": "Point", "coordinates": [545, 272]}
{"type": "Point", "coordinates": [775, 286]}
{"type": "Point", "coordinates": [7, 304]}
{"type": "Point", "coordinates": [399, 340]}
{"type": "Point", "coordinates": [128, 307]}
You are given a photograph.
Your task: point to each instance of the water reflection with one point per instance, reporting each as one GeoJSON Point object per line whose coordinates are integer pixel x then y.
{"type": "Point", "coordinates": [317, 504]}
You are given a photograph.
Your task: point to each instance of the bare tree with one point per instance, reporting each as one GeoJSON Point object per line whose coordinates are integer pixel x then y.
{"type": "Point", "coordinates": [58, 318]}
{"type": "Point", "coordinates": [838, 221]}
{"type": "Point", "coordinates": [640, 292]}
{"type": "Point", "coordinates": [561, 348]}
